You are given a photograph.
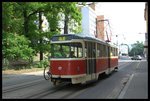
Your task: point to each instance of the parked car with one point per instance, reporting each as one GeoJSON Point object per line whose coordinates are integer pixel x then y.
{"type": "Point", "coordinates": [138, 57]}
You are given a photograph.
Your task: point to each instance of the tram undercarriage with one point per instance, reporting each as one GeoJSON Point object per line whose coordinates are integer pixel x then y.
{"type": "Point", "coordinates": [57, 79]}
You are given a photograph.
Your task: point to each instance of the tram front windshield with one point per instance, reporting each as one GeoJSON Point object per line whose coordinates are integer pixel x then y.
{"type": "Point", "coordinates": [66, 50]}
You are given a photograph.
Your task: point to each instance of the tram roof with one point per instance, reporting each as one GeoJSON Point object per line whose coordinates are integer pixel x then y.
{"type": "Point", "coordinates": [75, 36]}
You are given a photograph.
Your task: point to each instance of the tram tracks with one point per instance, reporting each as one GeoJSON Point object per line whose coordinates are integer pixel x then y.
{"type": "Point", "coordinates": [40, 92]}
{"type": "Point", "coordinates": [46, 92]}
{"type": "Point", "coordinates": [62, 91]}
{"type": "Point", "coordinates": [20, 86]}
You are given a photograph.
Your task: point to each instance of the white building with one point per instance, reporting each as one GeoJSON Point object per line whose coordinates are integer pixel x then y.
{"type": "Point", "coordinates": [124, 50]}
{"type": "Point", "coordinates": [88, 23]}
{"type": "Point", "coordinates": [45, 24]}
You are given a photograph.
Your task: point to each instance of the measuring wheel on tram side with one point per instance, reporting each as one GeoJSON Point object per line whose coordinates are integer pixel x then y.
{"type": "Point", "coordinates": [46, 73]}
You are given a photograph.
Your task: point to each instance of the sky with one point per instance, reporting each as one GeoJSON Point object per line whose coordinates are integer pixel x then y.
{"type": "Point", "coordinates": [126, 20]}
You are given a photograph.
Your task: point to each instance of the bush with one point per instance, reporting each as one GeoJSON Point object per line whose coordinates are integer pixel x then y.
{"type": "Point", "coordinates": [6, 64]}
{"type": "Point", "coordinates": [19, 67]}
{"type": "Point", "coordinates": [15, 47]}
{"type": "Point", "coordinates": [43, 63]}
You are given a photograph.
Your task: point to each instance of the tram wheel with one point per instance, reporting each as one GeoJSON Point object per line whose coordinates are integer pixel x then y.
{"type": "Point", "coordinates": [46, 73]}
{"type": "Point", "coordinates": [116, 69]}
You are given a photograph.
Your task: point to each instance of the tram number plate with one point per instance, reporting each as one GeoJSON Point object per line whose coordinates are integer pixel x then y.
{"type": "Point", "coordinates": [62, 38]}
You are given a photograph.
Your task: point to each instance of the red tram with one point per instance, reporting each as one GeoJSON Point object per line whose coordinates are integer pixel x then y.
{"type": "Point", "coordinates": [78, 58]}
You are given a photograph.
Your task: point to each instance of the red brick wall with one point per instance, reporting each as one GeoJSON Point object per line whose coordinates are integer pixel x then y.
{"type": "Point", "coordinates": [100, 27]}
{"type": "Point", "coordinates": [92, 6]}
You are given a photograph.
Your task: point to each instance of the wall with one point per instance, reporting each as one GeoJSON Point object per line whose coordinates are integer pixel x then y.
{"type": "Point", "coordinates": [88, 23]}
{"type": "Point", "coordinates": [146, 34]}
{"type": "Point", "coordinates": [100, 27]}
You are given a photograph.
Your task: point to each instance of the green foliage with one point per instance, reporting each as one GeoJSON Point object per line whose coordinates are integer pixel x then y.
{"type": "Point", "coordinates": [70, 10]}
{"type": "Point", "coordinates": [19, 67]}
{"type": "Point", "coordinates": [15, 46]}
{"type": "Point", "coordinates": [77, 30]}
{"type": "Point", "coordinates": [6, 64]}
{"type": "Point", "coordinates": [21, 36]}
{"type": "Point", "coordinates": [137, 49]}
{"type": "Point", "coordinates": [43, 63]}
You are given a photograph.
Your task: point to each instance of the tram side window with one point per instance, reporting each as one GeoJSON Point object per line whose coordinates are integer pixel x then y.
{"type": "Point", "coordinates": [93, 50]}
{"type": "Point", "coordinates": [86, 49]}
{"type": "Point", "coordinates": [77, 51]}
{"type": "Point", "coordinates": [117, 52]}
{"type": "Point", "coordinates": [74, 51]}
{"type": "Point", "coordinates": [101, 50]}
{"type": "Point", "coordinates": [111, 51]}
{"type": "Point", "coordinates": [66, 51]}
{"type": "Point", "coordinates": [114, 51]}
{"type": "Point", "coordinates": [98, 50]}
{"type": "Point", "coordinates": [86, 52]}
{"type": "Point", "coordinates": [80, 51]}
{"type": "Point", "coordinates": [104, 51]}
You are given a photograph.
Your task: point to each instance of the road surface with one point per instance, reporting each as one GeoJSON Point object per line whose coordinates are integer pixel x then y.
{"type": "Point", "coordinates": [115, 86]}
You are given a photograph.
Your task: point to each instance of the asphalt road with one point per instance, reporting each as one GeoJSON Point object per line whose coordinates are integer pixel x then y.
{"type": "Point", "coordinates": [34, 86]}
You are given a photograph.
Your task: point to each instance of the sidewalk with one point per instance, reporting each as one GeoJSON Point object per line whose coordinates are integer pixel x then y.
{"type": "Point", "coordinates": [137, 86]}
{"type": "Point", "coordinates": [34, 73]}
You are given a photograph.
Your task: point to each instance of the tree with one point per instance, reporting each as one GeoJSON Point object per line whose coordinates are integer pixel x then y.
{"type": "Point", "coordinates": [71, 12]}
{"type": "Point", "coordinates": [137, 49]}
{"type": "Point", "coordinates": [21, 21]}
{"type": "Point", "coordinates": [14, 45]}
{"type": "Point", "coordinates": [32, 12]}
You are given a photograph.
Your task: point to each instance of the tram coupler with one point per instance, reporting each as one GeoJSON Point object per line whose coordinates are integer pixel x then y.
{"type": "Point", "coordinates": [56, 82]}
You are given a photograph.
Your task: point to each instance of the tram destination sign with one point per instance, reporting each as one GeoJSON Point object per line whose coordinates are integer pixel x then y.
{"type": "Point", "coordinates": [63, 37]}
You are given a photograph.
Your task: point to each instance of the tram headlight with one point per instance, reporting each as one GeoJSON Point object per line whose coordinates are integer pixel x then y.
{"type": "Point", "coordinates": [59, 68]}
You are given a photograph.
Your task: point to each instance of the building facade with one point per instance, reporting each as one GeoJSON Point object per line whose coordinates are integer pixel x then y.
{"type": "Point", "coordinates": [146, 34]}
{"type": "Point", "coordinates": [90, 21]}
{"type": "Point", "coordinates": [123, 50]}
{"type": "Point", "coordinates": [100, 27]}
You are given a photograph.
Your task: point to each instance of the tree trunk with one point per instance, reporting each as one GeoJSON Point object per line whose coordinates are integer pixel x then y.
{"type": "Point", "coordinates": [66, 24]}
{"type": "Point", "coordinates": [40, 27]}
{"type": "Point", "coordinates": [25, 23]}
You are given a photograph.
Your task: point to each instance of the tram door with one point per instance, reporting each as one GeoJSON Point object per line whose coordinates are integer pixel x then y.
{"type": "Point", "coordinates": [90, 58]}
{"type": "Point", "coordinates": [109, 59]}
